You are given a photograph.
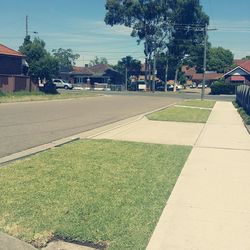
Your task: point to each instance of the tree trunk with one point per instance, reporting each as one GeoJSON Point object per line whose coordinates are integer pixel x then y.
{"type": "Point", "coordinates": [175, 78]}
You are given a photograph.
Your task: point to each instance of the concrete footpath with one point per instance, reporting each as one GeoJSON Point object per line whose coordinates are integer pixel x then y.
{"type": "Point", "coordinates": [209, 208]}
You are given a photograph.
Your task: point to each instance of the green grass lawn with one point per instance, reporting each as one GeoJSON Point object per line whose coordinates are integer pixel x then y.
{"type": "Point", "coordinates": [185, 114]}
{"type": "Point", "coordinates": [102, 191]}
{"type": "Point", "coordinates": [199, 103]}
{"type": "Point", "coordinates": [25, 96]}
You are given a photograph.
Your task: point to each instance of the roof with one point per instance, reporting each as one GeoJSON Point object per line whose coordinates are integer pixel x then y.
{"type": "Point", "coordinates": [246, 65]}
{"type": "Point", "coordinates": [239, 62]}
{"type": "Point", "coordinates": [100, 69]}
{"type": "Point", "coordinates": [4, 50]}
{"type": "Point", "coordinates": [96, 70]}
{"type": "Point", "coordinates": [188, 71]}
{"type": "Point", "coordinates": [82, 70]}
{"type": "Point", "coordinates": [208, 76]}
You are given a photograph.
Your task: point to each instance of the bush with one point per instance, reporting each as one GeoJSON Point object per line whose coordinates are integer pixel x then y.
{"type": "Point", "coordinates": [49, 88]}
{"type": "Point", "coordinates": [1, 93]}
{"type": "Point", "coordinates": [219, 87]}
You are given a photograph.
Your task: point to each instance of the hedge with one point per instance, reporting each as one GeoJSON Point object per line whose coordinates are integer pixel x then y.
{"type": "Point", "coordinates": [220, 87]}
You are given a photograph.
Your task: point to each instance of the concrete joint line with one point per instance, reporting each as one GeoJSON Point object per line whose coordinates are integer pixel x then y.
{"type": "Point", "coordinates": [192, 107]}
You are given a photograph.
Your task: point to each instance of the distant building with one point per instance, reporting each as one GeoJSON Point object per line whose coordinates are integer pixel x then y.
{"type": "Point", "coordinates": [98, 74]}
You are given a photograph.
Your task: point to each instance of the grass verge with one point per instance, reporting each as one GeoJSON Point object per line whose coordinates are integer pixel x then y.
{"type": "Point", "coordinates": [102, 191]}
{"type": "Point", "coordinates": [185, 114]}
{"type": "Point", "coordinates": [25, 96]}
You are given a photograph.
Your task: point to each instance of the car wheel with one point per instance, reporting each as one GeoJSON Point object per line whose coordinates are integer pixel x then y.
{"type": "Point", "coordinates": [66, 87]}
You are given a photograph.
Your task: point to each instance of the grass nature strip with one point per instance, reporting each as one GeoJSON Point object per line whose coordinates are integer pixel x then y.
{"type": "Point", "coordinates": [25, 96]}
{"type": "Point", "coordinates": [185, 114]}
{"type": "Point", "coordinates": [101, 191]}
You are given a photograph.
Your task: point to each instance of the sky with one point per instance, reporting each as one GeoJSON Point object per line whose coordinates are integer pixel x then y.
{"type": "Point", "coordinates": [79, 25]}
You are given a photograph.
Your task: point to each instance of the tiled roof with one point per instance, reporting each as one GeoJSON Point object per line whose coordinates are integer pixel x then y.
{"type": "Point", "coordinates": [100, 69]}
{"type": "Point", "coordinates": [239, 62]}
{"type": "Point", "coordinates": [188, 71]}
{"type": "Point", "coordinates": [10, 52]}
{"type": "Point", "coordinates": [209, 76]}
{"type": "Point", "coordinates": [82, 70]}
{"type": "Point", "coordinates": [246, 65]}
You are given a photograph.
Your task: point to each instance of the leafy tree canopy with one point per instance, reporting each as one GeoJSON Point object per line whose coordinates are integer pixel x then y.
{"type": "Point", "coordinates": [66, 58]}
{"type": "Point", "coordinates": [98, 60]}
{"type": "Point", "coordinates": [246, 58]}
{"type": "Point", "coordinates": [133, 66]}
{"type": "Point", "coordinates": [219, 59]}
{"type": "Point", "coordinates": [41, 63]}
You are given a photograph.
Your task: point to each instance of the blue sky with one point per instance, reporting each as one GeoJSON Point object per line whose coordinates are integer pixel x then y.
{"type": "Point", "coordinates": [79, 25]}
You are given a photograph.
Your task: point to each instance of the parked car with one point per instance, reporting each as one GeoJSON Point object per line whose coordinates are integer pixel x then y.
{"type": "Point", "coordinates": [60, 83]}
{"type": "Point", "coordinates": [200, 86]}
{"type": "Point", "coordinates": [193, 85]}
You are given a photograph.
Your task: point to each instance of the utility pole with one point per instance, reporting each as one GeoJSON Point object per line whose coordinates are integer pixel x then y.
{"type": "Point", "coordinates": [154, 71]}
{"type": "Point", "coordinates": [27, 25]}
{"type": "Point", "coordinates": [146, 64]}
{"type": "Point", "coordinates": [204, 63]}
{"type": "Point", "coordinates": [126, 78]}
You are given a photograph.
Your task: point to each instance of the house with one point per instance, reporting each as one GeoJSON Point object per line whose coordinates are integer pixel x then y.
{"type": "Point", "coordinates": [209, 76]}
{"type": "Point", "coordinates": [240, 74]}
{"type": "Point", "coordinates": [12, 69]}
{"type": "Point", "coordinates": [97, 74]}
{"type": "Point", "coordinates": [192, 75]}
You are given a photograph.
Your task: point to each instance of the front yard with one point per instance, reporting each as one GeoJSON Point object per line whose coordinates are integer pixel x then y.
{"type": "Point", "coordinates": [110, 193]}
{"type": "Point", "coordinates": [187, 111]}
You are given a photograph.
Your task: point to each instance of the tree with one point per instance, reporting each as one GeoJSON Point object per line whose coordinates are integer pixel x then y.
{"type": "Point", "coordinates": [98, 60]}
{"type": "Point", "coordinates": [219, 59]}
{"type": "Point", "coordinates": [128, 66]}
{"type": "Point", "coordinates": [177, 25]}
{"type": "Point", "coordinates": [246, 58]}
{"type": "Point", "coordinates": [133, 66]}
{"type": "Point", "coordinates": [41, 63]}
{"type": "Point", "coordinates": [66, 58]}
{"type": "Point", "coordinates": [149, 20]}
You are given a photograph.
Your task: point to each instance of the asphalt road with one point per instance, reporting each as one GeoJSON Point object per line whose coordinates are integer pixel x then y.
{"type": "Point", "coordinates": [25, 125]}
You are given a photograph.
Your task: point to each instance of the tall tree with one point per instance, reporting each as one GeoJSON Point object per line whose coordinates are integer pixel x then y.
{"type": "Point", "coordinates": [41, 63]}
{"type": "Point", "coordinates": [149, 20]}
{"type": "Point", "coordinates": [66, 58]}
{"type": "Point", "coordinates": [219, 59]}
{"type": "Point", "coordinates": [132, 65]}
{"type": "Point", "coordinates": [187, 37]}
{"type": "Point", "coordinates": [98, 60]}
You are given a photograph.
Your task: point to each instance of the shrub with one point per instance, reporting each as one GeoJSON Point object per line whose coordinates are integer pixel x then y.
{"type": "Point", "coordinates": [1, 93]}
{"type": "Point", "coordinates": [49, 88]}
{"type": "Point", "coordinates": [220, 87]}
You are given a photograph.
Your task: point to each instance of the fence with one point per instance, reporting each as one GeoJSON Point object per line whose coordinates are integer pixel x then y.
{"type": "Point", "coordinates": [243, 97]}
{"type": "Point", "coordinates": [16, 83]}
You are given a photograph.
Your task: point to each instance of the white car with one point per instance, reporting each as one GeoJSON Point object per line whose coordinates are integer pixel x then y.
{"type": "Point", "coordinates": [200, 86]}
{"type": "Point", "coordinates": [62, 84]}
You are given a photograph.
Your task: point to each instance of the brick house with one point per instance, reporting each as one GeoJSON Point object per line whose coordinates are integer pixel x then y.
{"type": "Point", "coordinates": [240, 74]}
{"type": "Point", "coordinates": [98, 74]}
{"type": "Point", "coordinates": [12, 64]}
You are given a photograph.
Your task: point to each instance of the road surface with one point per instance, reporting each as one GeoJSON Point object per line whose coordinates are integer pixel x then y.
{"type": "Point", "coordinates": [25, 125]}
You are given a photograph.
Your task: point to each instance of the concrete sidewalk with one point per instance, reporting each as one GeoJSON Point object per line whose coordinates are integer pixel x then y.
{"type": "Point", "coordinates": [209, 207]}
